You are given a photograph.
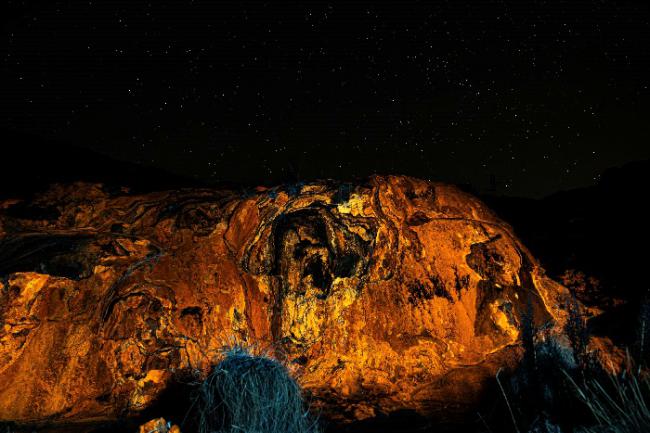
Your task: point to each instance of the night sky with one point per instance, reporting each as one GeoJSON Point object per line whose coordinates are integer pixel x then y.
{"type": "Point", "coordinates": [518, 98]}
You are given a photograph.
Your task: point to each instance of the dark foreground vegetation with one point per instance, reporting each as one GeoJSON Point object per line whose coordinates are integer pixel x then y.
{"type": "Point", "coordinates": [247, 393]}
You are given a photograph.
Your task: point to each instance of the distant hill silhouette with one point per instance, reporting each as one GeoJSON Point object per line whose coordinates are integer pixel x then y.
{"type": "Point", "coordinates": [30, 163]}
{"type": "Point", "coordinates": [600, 230]}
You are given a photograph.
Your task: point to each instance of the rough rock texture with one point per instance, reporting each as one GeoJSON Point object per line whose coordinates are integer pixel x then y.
{"type": "Point", "coordinates": [158, 425]}
{"type": "Point", "coordinates": [393, 294]}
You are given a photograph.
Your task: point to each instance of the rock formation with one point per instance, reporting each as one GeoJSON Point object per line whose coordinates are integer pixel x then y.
{"type": "Point", "coordinates": [393, 294]}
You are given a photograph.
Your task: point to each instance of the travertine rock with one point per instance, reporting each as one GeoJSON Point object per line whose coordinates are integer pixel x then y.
{"type": "Point", "coordinates": [394, 294]}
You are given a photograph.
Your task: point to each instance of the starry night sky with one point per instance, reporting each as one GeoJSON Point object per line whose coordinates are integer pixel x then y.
{"type": "Point", "coordinates": [517, 98]}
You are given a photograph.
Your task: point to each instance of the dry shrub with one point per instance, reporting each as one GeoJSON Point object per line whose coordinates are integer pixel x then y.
{"type": "Point", "coordinates": [252, 394]}
{"type": "Point", "coordinates": [620, 406]}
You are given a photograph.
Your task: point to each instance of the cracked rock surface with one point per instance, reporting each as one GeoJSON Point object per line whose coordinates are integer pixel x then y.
{"type": "Point", "coordinates": [392, 294]}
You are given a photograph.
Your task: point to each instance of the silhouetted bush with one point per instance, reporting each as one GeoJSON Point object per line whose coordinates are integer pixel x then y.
{"type": "Point", "coordinates": [252, 394]}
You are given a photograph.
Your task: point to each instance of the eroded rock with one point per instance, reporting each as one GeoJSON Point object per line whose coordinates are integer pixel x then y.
{"type": "Point", "coordinates": [393, 294]}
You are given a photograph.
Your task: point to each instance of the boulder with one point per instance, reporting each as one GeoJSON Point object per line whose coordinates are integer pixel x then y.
{"type": "Point", "coordinates": [392, 294]}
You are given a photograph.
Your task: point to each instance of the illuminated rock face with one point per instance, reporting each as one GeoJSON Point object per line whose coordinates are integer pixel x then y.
{"type": "Point", "coordinates": [394, 294]}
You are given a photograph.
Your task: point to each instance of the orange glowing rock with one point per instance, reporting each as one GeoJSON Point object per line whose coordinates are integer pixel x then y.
{"type": "Point", "coordinates": [158, 425]}
{"type": "Point", "coordinates": [393, 294]}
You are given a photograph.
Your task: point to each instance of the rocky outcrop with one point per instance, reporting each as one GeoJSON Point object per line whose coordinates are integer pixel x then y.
{"type": "Point", "coordinates": [393, 294]}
